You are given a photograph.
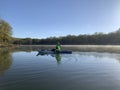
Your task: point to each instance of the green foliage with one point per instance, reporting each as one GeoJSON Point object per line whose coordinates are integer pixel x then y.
{"type": "Point", "coordinates": [5, 32]}
{"type": "Point", "coordinates": [94, 39]}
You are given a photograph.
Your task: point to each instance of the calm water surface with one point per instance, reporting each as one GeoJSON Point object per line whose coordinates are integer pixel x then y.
{"type": "Point", "coordinates": [21, 70]}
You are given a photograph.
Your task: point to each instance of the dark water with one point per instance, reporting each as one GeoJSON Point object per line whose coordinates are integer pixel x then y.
{"type": "Point", "coordinates": [21, 70]}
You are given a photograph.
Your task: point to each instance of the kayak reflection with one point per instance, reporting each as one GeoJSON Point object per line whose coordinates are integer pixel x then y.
{"type": "Point", "coordinates": [57, 56]}
{"type": "Point", "coordinates": [53, 53]}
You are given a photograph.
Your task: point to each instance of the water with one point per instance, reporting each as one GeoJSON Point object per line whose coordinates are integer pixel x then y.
{"type": "Point", "coordinates": [21, 70]}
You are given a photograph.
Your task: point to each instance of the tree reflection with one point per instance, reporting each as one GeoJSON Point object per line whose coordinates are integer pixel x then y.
{"type": "Point", "coordinates": [5, 61]}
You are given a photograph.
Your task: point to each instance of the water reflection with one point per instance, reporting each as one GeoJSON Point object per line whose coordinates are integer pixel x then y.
{"type": "Point", "coordinates": [77, 55]}
{"type": "Point", "coordinates": [56, 56]}
{"type": "Point", "coordinates": [101, 55]}
{"type": "Point", "coordinates": [5, 61]}
{"type": "Point", "coordinates": [79, 70]}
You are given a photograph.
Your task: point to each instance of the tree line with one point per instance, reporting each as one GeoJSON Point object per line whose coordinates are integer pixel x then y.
{"type": "Point", "coordinates": [112, 38]}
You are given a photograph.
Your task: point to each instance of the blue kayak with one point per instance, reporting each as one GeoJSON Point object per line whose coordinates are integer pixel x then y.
{"type": "Point", "coordinates": [54, 52]}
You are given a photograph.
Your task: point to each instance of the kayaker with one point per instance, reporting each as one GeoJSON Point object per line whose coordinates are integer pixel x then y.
{"type": "Point", "coordinates": [58, 47]}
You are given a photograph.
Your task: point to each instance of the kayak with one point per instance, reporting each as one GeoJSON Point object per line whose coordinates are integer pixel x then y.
{"type": "Point", "coordinates": [54, 52]}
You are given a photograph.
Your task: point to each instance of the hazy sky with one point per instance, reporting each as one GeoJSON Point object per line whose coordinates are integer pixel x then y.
{"type": "Point", "coordinates": [45, 18]}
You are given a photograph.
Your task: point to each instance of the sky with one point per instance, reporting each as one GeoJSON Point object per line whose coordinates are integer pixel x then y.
{"type": "Point", "coordinates": [49, 18]}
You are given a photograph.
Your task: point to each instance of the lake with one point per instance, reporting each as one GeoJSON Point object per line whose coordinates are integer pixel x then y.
{"type": "Point", "coordinates": [23, 69]}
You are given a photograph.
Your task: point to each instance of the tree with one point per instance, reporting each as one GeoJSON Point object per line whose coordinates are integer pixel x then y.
{"type": "Point", "coordinates": [5, 32]}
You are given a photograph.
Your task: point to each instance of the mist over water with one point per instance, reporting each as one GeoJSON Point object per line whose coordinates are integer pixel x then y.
{"type": "Point", "coordinates": [81, 48]}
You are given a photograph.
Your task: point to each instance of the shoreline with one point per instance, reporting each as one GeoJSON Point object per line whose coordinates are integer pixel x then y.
{"type": "Point", "coordinates": [74, 45]}
{"type": "Point", "coordinates": [80, 48]}
{"type": "Point", "coordinates": [84, 48]}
